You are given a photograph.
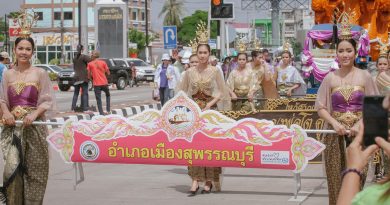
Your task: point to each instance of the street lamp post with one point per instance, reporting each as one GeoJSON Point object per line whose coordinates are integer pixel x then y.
{"type": "Point", "coordinates": [127, 27]}
{"type": "Point", "coordinates": [147, 32]}
{"type": "Point", "coordinates": [79, 14]}
{"type": "Point", "coordinates": [62, 34]}
{"type": "Point", "coordinates": [6, 34]}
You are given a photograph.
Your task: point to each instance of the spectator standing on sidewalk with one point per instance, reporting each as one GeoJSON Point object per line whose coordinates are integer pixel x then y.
{"type": "Point", "coordinates": [80, 63]}
{"type": "Point", "coordinates": [97, 70]}
{"type": "Point", "coordinates": [165, 79]}
{"type": "Point", "coordinates": [4, 60]}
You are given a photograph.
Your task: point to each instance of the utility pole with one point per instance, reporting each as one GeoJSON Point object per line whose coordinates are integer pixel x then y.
{"type": "Point", "coordinates": [147, 32]}
{"type": "Point", "coordinates": [127, 27]}
{"type": "Point", "coordinates": [79, 20]}
{"type": "Point", "coordinates": [6, 33]}
{"type": "Point", "coordinates": [223, 37]}
{"type": "Point", "coordinates": [62, 61]}
{"type": "Point", "coordinates": [84, 25]}
{"type": "Point", "coordinates": [275, 23]}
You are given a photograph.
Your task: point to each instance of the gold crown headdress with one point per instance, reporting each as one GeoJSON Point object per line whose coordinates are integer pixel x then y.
{"type": "Point", "coordinates": [383, 50]}
{"type": "Point", "coordinates": [286, 46]}
{"type": "Point", "coordinates": [194, 45]}
{"type": "Point", "coordinates": [26, 21]}
{"type": "Point", "coordinates": [202, 34]}
{"type": "Point", "coordinates": [257, 44]}
{"type": "Point", "coordinates": [345, 22]}
{"type": "Point", "coordinates": [241, 46]}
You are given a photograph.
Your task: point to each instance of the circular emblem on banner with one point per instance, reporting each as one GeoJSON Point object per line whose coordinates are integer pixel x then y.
{"type": "Point", "coordinates": [89, 151]}
{"type": "Point", "coordinates": [181, 117]}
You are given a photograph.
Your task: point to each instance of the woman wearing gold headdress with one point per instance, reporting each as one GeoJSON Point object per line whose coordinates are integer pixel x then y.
{"type": "Point", "coordinates": [383, 77]}
{"type": "Point", "coordinates": [26, 95]}
{"type": "Point", "coordinates": [340, 102]}
{"type": "Point", "coordinates": [241, 81]}
{"type": "Point", "coordinates": [289, 81]}
{"type": "Point", "coordinates": [383, 82]}
{"type": "Point", "coordinates": [205, 85]}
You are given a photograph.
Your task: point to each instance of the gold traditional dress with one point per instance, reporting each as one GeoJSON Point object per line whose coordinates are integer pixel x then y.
{"type": "Point", "coordinates": [25, 149]}
{"type": "Point", "coordinates": [344, 101]}
{"type": "Point", "coordinates": [240, 82]}
{"type": "Point", "coordinates": [203, 86]}
{"type": "Point", "coordinates": [383, 84]}
{"type": "Point", "coordinates": [264, 86]}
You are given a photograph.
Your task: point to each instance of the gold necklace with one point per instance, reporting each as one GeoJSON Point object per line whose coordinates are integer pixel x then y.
{"type": "Point", "coordinates": [347, 90]}
{"type": "Point", "coordinates": [20, 83]}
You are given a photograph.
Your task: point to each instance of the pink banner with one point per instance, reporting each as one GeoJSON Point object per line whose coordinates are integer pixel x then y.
{"type": "Point", "coordinates": [181, 134]}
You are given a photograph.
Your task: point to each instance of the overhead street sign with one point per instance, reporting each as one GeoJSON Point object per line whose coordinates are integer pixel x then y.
{"type": "Point", "coordinates": [170, 37]}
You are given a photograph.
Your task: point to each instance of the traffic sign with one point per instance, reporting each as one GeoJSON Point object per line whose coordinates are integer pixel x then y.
{"type": "Point", "coordinates": [213, 43]}
{"type": "Point", "coordinates": [170, 37]}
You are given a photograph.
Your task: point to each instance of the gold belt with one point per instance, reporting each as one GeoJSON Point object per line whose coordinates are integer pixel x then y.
{"type": "Point", "coordinates": [282, 88]}
{"type": "Point", "coordinates": [241, 92]}
{"type": "Point", "coordinates": [21, 111]}
{"type": "Point", "coordinates": [201, 99]}
{"type": "Point", "coordinates": [347, 118]}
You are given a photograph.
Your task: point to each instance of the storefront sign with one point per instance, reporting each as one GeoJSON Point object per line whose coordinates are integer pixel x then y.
{"type": "Point", "coordinates": [181, 134]}
{"type": "Point", "coordinates": [55, 39]}
{"type": "Point", "coordinates": [13, 29]}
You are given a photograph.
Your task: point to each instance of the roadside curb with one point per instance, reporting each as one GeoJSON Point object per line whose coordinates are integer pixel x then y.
{"type": "Point", "coordinates": [125, 112]}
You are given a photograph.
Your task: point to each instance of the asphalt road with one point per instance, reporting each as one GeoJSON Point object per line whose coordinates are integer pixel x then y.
{"type": "Point", "coordinates": [120, 184]}
{"type": "Point", "coordinates": [119, 98]}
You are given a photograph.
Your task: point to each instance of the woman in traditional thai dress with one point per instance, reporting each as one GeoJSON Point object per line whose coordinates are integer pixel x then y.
{"type": "Point", "coordinates": [264, 86]}
{"type": "Point", "coordinates": [289, 81]}
{"type": "Point", "coordinates": [26, 95]}
{"type": "Point", "coordinates": [340, 103]}
{"type": "Point", "coordinates": [240, 82]}
{"type": "Point", "coordinates": [383, 83]}
{"type": "Point", "coordinates": [204, 84]}
{"type": "Point", "coordinates": [383, 77]}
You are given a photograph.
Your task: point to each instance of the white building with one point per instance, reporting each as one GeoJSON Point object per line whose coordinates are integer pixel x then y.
{"type": "Point", "coordinates": [47, 32]}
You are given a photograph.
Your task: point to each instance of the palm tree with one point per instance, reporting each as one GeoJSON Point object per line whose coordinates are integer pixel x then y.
{"type": "Point", "coordinates": [173, 10]}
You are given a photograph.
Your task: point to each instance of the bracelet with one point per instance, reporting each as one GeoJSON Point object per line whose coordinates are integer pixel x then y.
{"type": "Point", "coordinates": [353, 170]}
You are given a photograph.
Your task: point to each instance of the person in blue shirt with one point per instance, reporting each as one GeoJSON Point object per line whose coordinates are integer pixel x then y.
{"type": "Point", "coordinates": [4, 59]}
{"type": "Point", "coordinates": [166, 79]}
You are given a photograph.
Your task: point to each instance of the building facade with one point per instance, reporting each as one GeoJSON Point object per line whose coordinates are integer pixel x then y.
{"type": "Point", "coordinates": [57, 26]}
{"type": "Point", "coordinates": [264, 27]}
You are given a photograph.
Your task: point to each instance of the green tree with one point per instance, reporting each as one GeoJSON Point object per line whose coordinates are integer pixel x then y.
{"type": "Point", "coordinates": [14, 14]}
{"type": "Point", "coordinates": [186, 31]}
{"type": "Point", "coordinates": [139, 38]}
{"type": "Point", "coordinates": [2, 29]}
{"type": "Point", "coordinates": [173, 10]}
{"type": "Point", "coordinates": [297, 47]}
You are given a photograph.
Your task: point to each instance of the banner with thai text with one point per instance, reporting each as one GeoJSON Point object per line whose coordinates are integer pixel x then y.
{"type": "Point", "coordinates": [182, 134]}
